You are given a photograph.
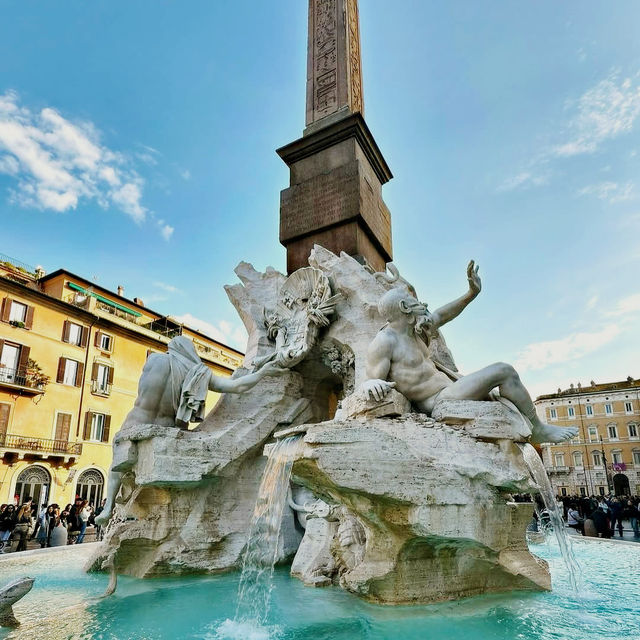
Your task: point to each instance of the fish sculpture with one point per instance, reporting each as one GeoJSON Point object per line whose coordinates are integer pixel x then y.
{"type": "Point", "coordinates": [9, 595]}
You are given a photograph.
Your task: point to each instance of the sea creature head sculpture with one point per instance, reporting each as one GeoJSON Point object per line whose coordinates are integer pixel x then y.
{"type": "Point", "coordinates": [9, 595]}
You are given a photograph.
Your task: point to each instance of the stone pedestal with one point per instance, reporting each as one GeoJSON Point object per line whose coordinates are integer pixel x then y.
{"type": "Point", "coordinates": [335, 195]}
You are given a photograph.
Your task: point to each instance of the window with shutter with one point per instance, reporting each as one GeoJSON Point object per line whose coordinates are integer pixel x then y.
{"type": "Point", "coordinates": [65, 331]}
{"type": "Point", "coordinates": [88, 419]}
{"type": "Point", "coordinates": [24, 360]}
{"type": "Point", "coordinates": [28, 321]}
{"type": "Point", "coordinates": [6, 309]}
{"type": "Point", "coordinates": [107, 427]}
{"type": "Point", "coordinates": [18, 312]}
{"type": "Point", "coordinates": [85, 337]}
{"type": "Point", "coordinates": [79, 374]}
{"type": "Point", "coordinates": [73, 333]}
{"type": "Point", "coordinates": [106, 342]}
{"type": "Point", "coordinates": [61, 367]}
{"type": "Point", "coordinates": [63, 426]}
{"type": "Point", "coordinates": [5, 411]}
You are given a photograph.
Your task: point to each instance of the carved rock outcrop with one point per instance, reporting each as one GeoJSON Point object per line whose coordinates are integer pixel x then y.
{"type": "Point", "coordinates": [426, 507]}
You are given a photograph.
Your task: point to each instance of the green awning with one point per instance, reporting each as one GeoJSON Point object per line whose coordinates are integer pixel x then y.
{"type": "Point", "coordinates": [97, 296]}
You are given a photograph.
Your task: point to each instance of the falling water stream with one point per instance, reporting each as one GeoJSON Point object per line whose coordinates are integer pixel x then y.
{"type": "Point", "coordinates": [537, 470]}
{"type": "Point", "coordinates": [261, 552]}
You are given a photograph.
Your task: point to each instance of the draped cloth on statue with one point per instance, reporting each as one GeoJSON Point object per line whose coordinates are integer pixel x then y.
{"type": "Point", "coordinates": [189, 381]}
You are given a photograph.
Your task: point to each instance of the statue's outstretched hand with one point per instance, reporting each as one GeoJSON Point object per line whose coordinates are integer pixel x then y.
{"type": "Point", "coordinates": [272, 369]}
{"type": "Point", "coordinates": [475, 284]}
{"type": "Point", "coordinates": [376, 389]}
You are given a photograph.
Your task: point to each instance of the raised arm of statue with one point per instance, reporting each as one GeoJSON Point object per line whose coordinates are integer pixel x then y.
{"type": "Point", "coordinates": [244, 383]}
{"type": "Point", "coordinates": [452, 310]}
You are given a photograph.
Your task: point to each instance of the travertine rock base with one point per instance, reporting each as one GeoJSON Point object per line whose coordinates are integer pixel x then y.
{"type": "Point", "coordinates": [433, 507]}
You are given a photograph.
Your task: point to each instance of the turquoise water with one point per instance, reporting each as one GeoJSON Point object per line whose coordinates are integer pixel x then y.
{"type": "Point", "coordinates": [63, 605]}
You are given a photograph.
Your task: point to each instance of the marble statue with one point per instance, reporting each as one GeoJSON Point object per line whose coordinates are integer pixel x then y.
{"type": "Point", "coordinates": [172, 391]}
{"type": "Point", "coordinates": [304, 306]}
{"type": "Point", "coordinates": [399, 357]}
{"type": "Point", "coordinates": [9, 595]}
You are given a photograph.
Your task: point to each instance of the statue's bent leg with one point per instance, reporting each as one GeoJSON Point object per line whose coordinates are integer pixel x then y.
{"type": "Point", "coordinates": [477, 385]}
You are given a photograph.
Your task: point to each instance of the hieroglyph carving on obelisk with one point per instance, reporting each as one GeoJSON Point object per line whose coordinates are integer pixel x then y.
{"type": "Point", "coordinates": [334, 70]}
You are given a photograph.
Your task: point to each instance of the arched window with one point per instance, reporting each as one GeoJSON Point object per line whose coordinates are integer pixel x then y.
{"type": "Point", "coordinates": [90, 485]}
{"type": "Point", "coordinates": [33, 482]}
{"type": "Point", "coordinates": [577, 459]}
{"type": "Point", "coordinates": [597, 458]}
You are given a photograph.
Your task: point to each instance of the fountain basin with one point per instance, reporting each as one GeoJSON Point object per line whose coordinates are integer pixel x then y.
{"type": "Point", "coordinates": [63, 604]}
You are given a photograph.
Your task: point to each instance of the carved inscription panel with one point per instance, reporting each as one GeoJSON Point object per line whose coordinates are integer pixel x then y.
{"type": "Point", "coordinates": [355, 65]}
{"type": "Point", "coordinates": [325, 57]}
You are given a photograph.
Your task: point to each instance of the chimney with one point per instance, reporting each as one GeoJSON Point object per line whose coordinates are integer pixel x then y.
{"type": "Point", "coordinates": [120, 290]}
{"type": "Point", "coordinates": [138, 302]}
{"type": "Point", "coordinates": [40, 272]}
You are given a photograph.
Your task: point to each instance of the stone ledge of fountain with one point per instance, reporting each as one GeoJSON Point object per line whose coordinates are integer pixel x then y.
{"type": "Point", "coordinates": [429, 503]}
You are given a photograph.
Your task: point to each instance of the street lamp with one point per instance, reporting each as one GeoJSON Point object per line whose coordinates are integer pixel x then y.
{"type": "Point", "coordinates": [606, 468]}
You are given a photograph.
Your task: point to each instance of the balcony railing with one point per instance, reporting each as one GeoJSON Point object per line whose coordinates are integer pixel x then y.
{"type": "Point", "coordinates": [40, 445]}
{"type": "Point", "coordinates": [19, 378]}
{"type": "Point", "coordinates": [558, 469]}
{"type": "Point", "coordinates": [129, 317]}
{"type": "Point", "coordinates": [100, 389]}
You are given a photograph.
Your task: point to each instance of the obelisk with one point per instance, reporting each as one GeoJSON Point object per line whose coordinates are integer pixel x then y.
{"type": "Point", "coordinates": [336, 168]}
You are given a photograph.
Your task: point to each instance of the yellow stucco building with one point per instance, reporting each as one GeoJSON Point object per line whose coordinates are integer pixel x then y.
{"type": "Point", "coordinates": [71, 353]}
{"type": "Point", "coordinates": [605, 456]}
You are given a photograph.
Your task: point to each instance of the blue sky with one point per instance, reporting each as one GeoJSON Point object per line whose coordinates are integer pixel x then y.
{"type": "Point", "coordinates": [137, 147]}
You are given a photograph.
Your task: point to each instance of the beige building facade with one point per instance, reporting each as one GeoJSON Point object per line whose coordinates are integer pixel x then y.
{"type": "Point", "coordinates": [605, 457]}
{"type": "Point", "coordinates": [71, 353]}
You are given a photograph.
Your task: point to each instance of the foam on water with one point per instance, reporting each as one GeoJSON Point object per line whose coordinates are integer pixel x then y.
{"type": "Point", "coordinates": [244, 630]}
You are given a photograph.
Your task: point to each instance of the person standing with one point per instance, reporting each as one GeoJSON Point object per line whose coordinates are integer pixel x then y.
{"type": "Point", "coordinates": [615, 511]}
{"type": "Point", "coordinates": [74, 524]}
{"type": "Point", "coordinates": [7, 524]}
{"type": "Point", "coordinates": [24, 524]}
{"type": "Point", "coordinates": [43, 530]}
{"type": "Point", "coordinates": [57, 530]}
{"type": "Point", "coordinates": [574, 520]}
{"type": "Point", "coordinates": [83, 514]}
{"type": "Point", "coordinates": [632, 514]}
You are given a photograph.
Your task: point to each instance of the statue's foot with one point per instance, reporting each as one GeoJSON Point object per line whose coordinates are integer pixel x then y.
{"type": "Point", "coordinates": [103, 518]}
{"type": "Point", "coordinates": [548, 433]}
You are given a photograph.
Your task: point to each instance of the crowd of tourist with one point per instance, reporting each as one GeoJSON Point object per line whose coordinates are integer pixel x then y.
{"type": "Point", "coordinates": [52, 526]}
{"type": "Point", "coordinates": [597, 516]}
{"type": "Point", "coordinates": [601, 515]}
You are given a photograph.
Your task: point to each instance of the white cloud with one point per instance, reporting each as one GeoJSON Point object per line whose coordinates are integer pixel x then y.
{"type": "Point", "coordinates": [169, 288]}
{"type": "Point", "coordinates": [524, 179]}
{"type": "Point", "coordinates": [58, 163]}
{"type": "Point", "coordinates": [626, 306]}
{"type": "Point", "coordinates": [593, 301]}
{"type": "Point", "coordinates": [610, 191]}
{"type": "Point", "coordinates": [605, 111]}
{"type": "Point", "coordinates": [166, 230]}
{"type": "Point", "coordinates": [185, 174]}
{"type": "Point", "coordinates": [225, 332]}
{"type": "Point", "coordinates": [540, 355]}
